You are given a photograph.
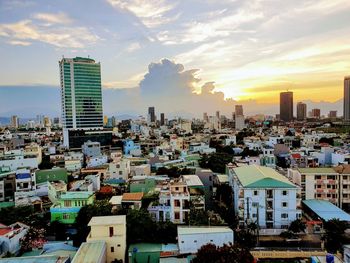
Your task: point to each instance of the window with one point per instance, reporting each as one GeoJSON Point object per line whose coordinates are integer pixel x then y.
{"type": "Point", "coordinates": [255, 192]}
{"type": "Point", "coordinates": [318, 177]}
{"type": "Point", "coordinates": [177, 203]}
{"type": "Point", "coordinates": [177, 215]}
{"type": "Point", "coordinates": [120, 172]}
{"type": "Point", "coordinates": [210, 178]}
{"type": "Point", "coordinates": [284, 192]}
{"type": "Point", "coordinates": [118, 245]}
{"type": "Point", "coordinates": [112, 249]}
{"type": "Point", "coordinates": [284, 204]}
{"type": "Point", "coordinates": [254, 215]}
{"type": "Point", "coordinates": [65, 216]}
{"type": "Point", "coordinates": [284, 216]}
{"type": "Point", "coordinates": [67, 203]}
{"type": "Point", "coordinates": [330, 177]}
{"type": "Point", "coordinates": [195, 241]}
{"type": "Point", "coordinates": [111, 231]}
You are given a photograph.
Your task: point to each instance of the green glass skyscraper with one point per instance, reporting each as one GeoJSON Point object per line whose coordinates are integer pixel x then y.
{"type": "Point", "coordinates": [81, 95]}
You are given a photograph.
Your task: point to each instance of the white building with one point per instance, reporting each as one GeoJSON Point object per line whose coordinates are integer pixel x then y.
{"type": "Point", "coordinates": [191, 239]}
{"type": "Point", "coordinates": [264, 196]}
{"type": "Point", "coordinates": [16, 159]}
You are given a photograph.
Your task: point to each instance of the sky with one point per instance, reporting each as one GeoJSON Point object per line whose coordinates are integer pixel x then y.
{"type": "Point", "coordinates": [182, 56]}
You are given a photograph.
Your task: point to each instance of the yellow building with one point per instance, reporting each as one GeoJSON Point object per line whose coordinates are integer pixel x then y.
{"type": "Point", "coordinates": [112, 230]}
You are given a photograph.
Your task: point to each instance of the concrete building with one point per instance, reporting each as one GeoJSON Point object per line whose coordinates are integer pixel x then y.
{"type": "Point", "coordinates": [14, 121]}
{"type": "Point", "coordinates": [16, 159]}
{"type": "Point", "coordinates": [317, 183]}
{"type": "Point", "coordinates": [316, 113]}
{"type": "Point", "coordinates": [332, 114]}
{"type": "Point", "coordinates": [239, 122]}
{"type": "Point", "coordinates": [264, 196]}
{"type": "Point", "coordinates": [346, 109]}
{"type": "Point", "coordinates": [91, 149]}
{"type": "Point", "coordinates": [286, 106]}
{"type": "Point", "coordinates": [191, 239]}
{"type": "Point", "coordinates": [10, 237]}
{"type": "Point", "coordinates": [112, 230]}
{"type": "Point", "coordinates": [301, 111]}
{"type": "Point", "coordinates": [151, 115]}
{"type": "Point", "coordinates": [239, 110]}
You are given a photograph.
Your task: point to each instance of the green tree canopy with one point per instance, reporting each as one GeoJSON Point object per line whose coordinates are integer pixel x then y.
{"type": "Point", "coordinates": [226, 254]}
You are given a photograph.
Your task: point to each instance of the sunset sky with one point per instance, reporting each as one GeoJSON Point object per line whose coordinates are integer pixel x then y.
{"type": "Point", "coordinates": [249, 50]}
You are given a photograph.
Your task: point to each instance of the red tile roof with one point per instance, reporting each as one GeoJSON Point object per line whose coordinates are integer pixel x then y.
{"type": "Point", "coordinates": [132, 196]}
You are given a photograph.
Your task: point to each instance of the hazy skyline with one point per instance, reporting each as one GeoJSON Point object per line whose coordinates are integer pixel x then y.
{"type": "Point", "coordinates": [155, 54]}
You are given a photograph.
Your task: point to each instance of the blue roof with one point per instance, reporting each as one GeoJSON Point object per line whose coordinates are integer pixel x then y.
{"type": "Point", "coordinates": [326, 210]}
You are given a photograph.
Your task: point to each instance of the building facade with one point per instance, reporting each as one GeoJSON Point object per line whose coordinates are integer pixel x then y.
{"type": "Point", "coordinates": [301, 111]}
{"type": "Point", "coordinates": [286, 106]}
{"type": "Point", "coordinates": [81, 95]}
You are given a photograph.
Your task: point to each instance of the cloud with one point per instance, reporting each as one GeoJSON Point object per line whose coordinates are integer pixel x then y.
{"type": "Point", "coordinates": [151, 13]}
{"type": "Point", "coordinates": [59, 36]}
{"type": "Point", "coordinates": [19, 43]}
{"type": "Point", "coordinates": [133, 47]}
{"type": "Point", "coordinates": [51, 18]}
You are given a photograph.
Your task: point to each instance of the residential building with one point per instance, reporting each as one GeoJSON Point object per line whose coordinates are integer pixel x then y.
{"type": "Point", "coordinates": [264, 196]}
{"type": "Point", "coordinates": [132, 200]}
{"type": "Point", "coordinates": [68, 206]}
{"type": "Point", "coordinates": [10, 237]}
{"type": "Point", "coordinates": [16, 159]}
{"type": "Point", "coordinates": [316, 113]}
{"type": "Point", "coordinates": [191, 239]}
{"type": "Point", "coordinates": [286, 106]}
{"type": "Point", "coordinates": [112, 230]}
{"type": "Point", "coordinates": [317, 183]}
{"type": "Point", "coordinates": [332, 114]}
{"type": "Point", "coordinates": [91, 149]}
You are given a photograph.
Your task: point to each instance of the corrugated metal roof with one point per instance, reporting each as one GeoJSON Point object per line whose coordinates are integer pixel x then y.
{"type": "Point", "coordinates": [253, 176]}
{"type": "Point", "coordinates": [90, 252]}
{"type": "Point", "coordinates": [326, 210]}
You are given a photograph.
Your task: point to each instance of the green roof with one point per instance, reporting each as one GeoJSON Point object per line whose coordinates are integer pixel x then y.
{"type": "Point", "coordinates": [54, 174]}
{"type": "Point", "coordinates": [146, 247]}
{"type": "Point", "coordinates": [76, 195]}
{"type": "Point", "coordinates": [6, 204]}
{"type": "Point", "coordinates": [253, 176]}
{"type": "Point", "coordinates": [317, 170]}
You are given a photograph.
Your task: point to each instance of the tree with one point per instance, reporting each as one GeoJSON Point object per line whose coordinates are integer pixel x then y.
{"type": "Point", "coordinates": [226, 254]}
{"type": "Point", "coordinates": [198, 217]}
{"type": "Point", "coordinates": [297, 226]}
{"type": "Point", "coordinates": [334, 236]}
{"type": "Point", "coordinates": [10, 215]}
{"type": "Point", "coordinates": [99, 208]}
{"type": "Point", "coordinates": [35, 238]}
{"type": "Point", "coordinates": [216, 161]}
{"type": "Point", "coordinates": [141, 228]}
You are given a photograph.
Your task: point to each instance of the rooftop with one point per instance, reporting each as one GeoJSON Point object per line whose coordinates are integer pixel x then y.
{"type": "Point", "coordinates": [37, 259]}
{"type": "Point", "coordinates": [317, 170]}
{"type": "Point", "coordinates": [326, 210]}
{"type": "Point", "coordinates": [76, 195]}
{"type": "Point", "coordinates": [192, 180]}
{"type": "Point", "coordinates": [116, 200]}
{"type": "Point", "coordinates": [132, 196]}
{"type": "Point", "coordinates": [107, 220]}
{"type": "Point", "coordinates": [182, 230]}
{"type": "Point", "coordinates": [253, 176]}
{"type": "Point", "coordinates": [90, 252]}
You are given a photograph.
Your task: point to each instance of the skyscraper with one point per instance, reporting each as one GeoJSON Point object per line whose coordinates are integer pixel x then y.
{"type": "Point", "coordinates": [81, 95]}
{"type": "Point", "coordinates": [14, 121]}
{"type": "Point", "coordinates": [301, 111]}
{"type": "Point", "coordinates": [162, 119]}
{"type": "Point", "coordinates": [151, 114]}
{"type": "Point", "coordinates": [286, 106]}
{"type": "Point", "coordinates": [239, 110]}
{"type": "Point", "coordinates": [316, 113]}
{"type": "Point", "coordinates": [347, 98]}
{"type": "Point", "coordinates": [205, 117]}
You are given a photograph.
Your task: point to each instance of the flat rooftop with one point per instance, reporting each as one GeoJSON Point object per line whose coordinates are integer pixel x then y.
{"type": "Point", "coordinates": [107, 220]}
{"type": "Point", "coordinates": [181, 230]}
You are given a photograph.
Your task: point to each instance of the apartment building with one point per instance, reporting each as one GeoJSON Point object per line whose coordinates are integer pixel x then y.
{"type": "Point", "coordinates": [112, 230]}
{"type": "Point", "coordinates": [264, 196]}
{"type": "Point", "coordinates": [317, 183]}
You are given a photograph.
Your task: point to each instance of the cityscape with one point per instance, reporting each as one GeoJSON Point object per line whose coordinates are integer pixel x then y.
{"type": "Point", "coordinates": [205, 157]}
